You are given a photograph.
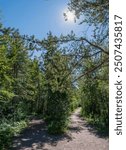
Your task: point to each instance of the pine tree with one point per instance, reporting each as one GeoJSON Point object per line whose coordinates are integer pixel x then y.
{"type": "Point", "coordinates": [58, 87]}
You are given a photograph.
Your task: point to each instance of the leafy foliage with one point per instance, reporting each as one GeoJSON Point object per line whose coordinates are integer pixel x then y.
{"type": "Point", "coordinates": [94, 68]}
{"type": "Point", "coordinates": [58, 88]}
{"type": "Point", "coordinates": [70, 72]}
{"type": "Point", "coordinates": [20, 83]}
{"type": "Point", "coordinates": [8, 130]}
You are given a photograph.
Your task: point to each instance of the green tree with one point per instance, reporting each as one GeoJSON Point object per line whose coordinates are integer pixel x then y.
{"type": "Point", "coordinates": [94, 13]}
{"type": "Point", "coordinates": [58, 87]}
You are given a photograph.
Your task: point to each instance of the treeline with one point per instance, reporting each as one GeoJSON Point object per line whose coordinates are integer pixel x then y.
{"type": "Point", "coordinates": [93, 83]}
{"type": "Point", "coordinates": [70, 71]}
{"type": "Point", "coordinates": [33, 86]}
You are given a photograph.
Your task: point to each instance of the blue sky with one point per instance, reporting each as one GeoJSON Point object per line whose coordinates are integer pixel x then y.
{"type": "Point", "coordinates": [38, 17]}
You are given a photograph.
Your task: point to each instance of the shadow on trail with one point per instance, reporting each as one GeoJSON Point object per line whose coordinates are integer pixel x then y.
{"type": "Point", "coordinates": [97, 130]}
{"type": "Point", "coordinates": [36, 136]}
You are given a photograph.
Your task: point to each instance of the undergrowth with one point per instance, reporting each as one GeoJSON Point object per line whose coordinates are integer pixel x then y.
{"type": "Point", "coordinates": [8, 130]}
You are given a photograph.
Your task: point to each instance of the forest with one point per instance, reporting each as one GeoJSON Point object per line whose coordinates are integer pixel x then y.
{"type": "Point", "coordinates": [70, 72]}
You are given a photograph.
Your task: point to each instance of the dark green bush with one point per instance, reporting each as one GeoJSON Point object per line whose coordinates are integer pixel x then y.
{"type": "Point", "coordinates": [95, 103]}
{"type": "Point", "coordinates": [8, 130]}
{"type": "Point", "coordinates": [57, 112]}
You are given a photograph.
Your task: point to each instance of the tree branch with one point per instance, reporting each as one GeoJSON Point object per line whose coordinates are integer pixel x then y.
{"type": "Point", "coordinates": [91, 70]}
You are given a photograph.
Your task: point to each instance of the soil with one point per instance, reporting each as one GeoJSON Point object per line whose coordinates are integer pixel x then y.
{"type": "Point", "coordinates": [80, 136]}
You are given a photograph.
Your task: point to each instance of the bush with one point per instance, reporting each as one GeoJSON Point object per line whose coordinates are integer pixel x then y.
{"type": "Point", "coordinates": [6, 134]}
{"type": "Point", "coordinates": [95, 103]}
{"type": "Point", "coordinates": [57, 112]}
{"type": "Point", "coordinates": [8, 130]}
{"type": "Point", "coordinates": [57, 127]}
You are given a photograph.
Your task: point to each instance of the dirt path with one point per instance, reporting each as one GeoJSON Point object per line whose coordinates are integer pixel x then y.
{"type": "Point", "coordinates": [79, 137]}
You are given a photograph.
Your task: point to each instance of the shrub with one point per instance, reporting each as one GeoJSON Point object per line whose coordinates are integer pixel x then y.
{"type": "Point", "coordinates": [8, 130]}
